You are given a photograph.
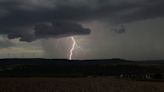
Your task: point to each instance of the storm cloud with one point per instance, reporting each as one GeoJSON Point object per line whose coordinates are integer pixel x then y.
{"type": "Point", "coordinates": [30, 20]}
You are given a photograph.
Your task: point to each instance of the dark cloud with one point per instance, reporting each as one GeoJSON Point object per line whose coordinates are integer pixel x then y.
{"type": "Point", "coordinates": [120, 29]}
{"type": "Point", "coordinates": [57, 29]}
{"type": "Point", "coordinates": [60, 29]}
{"type": "Point", "coordinates": [22, 36]}
{"type": "Point", "coordinates": [18, 18]}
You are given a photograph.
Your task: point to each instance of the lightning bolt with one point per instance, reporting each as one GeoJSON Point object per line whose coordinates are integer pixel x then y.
{"type": "Point", "coordinates": [72, 48]}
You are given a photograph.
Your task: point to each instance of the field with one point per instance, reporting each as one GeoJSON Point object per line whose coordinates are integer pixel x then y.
{"type": "Point", "coordinates": [53, 75]}
{"type": "Point", "coordinates": [83, 84]}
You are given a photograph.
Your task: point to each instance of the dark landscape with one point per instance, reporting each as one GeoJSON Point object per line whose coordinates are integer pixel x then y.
{"type": "Point", "coordinates": [60, 75]}
{"type": "Point", "coordinates": [81, 68]}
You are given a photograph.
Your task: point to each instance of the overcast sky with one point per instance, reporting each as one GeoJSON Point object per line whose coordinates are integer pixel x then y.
{"type": "Point", "coordinates": [103, 29]}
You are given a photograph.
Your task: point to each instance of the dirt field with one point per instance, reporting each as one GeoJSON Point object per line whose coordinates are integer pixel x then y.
{"type": "Point", "coordinates": [90, 84]}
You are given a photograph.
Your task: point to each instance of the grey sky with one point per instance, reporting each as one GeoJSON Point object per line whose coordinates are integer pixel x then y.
{"type": "Point", "coordinates": [131, 29]}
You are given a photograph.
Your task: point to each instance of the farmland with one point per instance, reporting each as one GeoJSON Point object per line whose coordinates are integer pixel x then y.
{"type": "Point", "coordinates": [113, 75]}
{"type": "Point", "coordinates": [83, 84]}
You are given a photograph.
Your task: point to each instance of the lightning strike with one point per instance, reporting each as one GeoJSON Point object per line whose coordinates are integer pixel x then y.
{"type": "Point", "coordinates": [72, 48]}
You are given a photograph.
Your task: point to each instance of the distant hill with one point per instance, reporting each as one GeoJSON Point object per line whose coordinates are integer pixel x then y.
{"type": "Point", "coordinates": [65, 61]}
{"type": "Point", "coordinates": [62, 67]}
{"type": "Point", "coordinates": [61, 61]}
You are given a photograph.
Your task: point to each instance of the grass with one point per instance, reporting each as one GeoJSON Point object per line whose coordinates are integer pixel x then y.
{"type": "Point", "coordinates": [87, 84]}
